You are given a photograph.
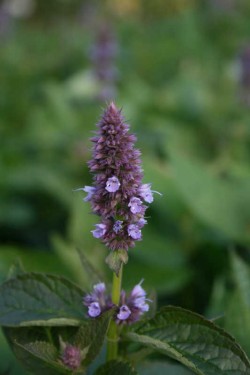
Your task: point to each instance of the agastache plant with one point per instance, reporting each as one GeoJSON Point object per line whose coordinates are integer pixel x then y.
{"type": "Point", "coordinates": [55, 327]}
{"type": "Point", "coordinates": [120, 199]}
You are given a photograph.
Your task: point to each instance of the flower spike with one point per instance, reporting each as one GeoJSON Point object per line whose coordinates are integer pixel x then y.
{"type": "Point", "coordinates": [117, 194]}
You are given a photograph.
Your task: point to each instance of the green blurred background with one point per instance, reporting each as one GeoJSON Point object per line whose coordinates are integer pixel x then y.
{"type": "Point", "coordinates": [180, 69]}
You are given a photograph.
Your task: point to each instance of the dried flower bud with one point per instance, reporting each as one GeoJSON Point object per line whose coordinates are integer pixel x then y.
{"type": "Point", "coordinates": [71, 357]}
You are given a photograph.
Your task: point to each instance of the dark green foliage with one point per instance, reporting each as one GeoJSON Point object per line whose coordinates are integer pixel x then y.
{"type": "Point", "coordinates": [39, 349]}
{"type": "Point", "coordinates": [116, 368]}
{"type": "Point", "coordinates": [192, 340]}
{"type": "Point", "coordinates": [40, 299]}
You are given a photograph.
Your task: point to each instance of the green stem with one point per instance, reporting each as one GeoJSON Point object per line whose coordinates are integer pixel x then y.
{"type": "Point", "coordinates": [112, 336]}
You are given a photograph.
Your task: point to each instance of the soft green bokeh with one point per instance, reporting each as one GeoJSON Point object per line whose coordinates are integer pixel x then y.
{"type": "Point", "coordinates": [179, 84]}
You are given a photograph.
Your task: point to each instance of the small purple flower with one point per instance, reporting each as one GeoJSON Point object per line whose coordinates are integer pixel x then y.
{"type": "Point", "coordinates": [97, 301]}
{"type": "Point", "coordinates": [133, 306]}
{"type": "Point", "coordinates": [99, 231]}
{"type": "Point", "coordinates": [117, 227]}
{"type": "Point", "coordinates": [124, 313]}
{"type": "Point", "coordinates": [134, 231]}
{"type": "Point", "coordinates": [138, 291]}
{"type": "Point", "coordinates": [130, 307]}
{"type": "Point", "coordinates": [135, 205]}
{"type": "Point", "coordinates": [94, 309]}
{"type": "Point", "coordinates": [99, 289]}
{"type": "Point", "coordinates": [146, 193]}
{"type": "Point", "coordinates": [141, 222]}
{"type": "Point", "coordinates": [88, 189]}
{"type": "Point", "coordinates": [138, 295]}
{"type": "Point", "coordinates": [112, 185]}
{"type": "Point", "coordinates": [71, 357]}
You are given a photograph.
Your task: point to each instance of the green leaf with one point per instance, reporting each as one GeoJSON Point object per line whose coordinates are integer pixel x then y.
{"type": "Point", "coordinates": [10, 361]}
{"type": "Point", "coordinates": [116, 259]}
{"type": "Point", "coordinates": [116, 368]}
{"type": "Point", "coordinates": [31, 346]}
{"type": "Point", "coordinates": [162, 368]}
{"type": "Point", "coordinates": [16, 269]}
{"type": "Point", "coordinates": [34, 353]}
{"type": "Point", "coordinates": [192, 340]}
{"type": "Point", "coordinates": [237, 319]}
{"type": "Point", "coordinates": [222, 203]}
{"type": "Point", "coordinates": [38, 299]}
{"type": "Point", "coordinates": [39, 358]}
{"type": "Point", "coordinates": [241, 274]}
{"type": "Point", "coordinates": [92, 334]}
{"type": "Point", "coordinates": [237, 315]}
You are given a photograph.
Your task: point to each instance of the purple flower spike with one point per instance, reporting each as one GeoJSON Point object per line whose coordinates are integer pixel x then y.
{"type": "Point", "coordinates": [99, 231]}
{"type": "Point", "coordinates": [71, 357]}
{"type": "Point", "coordinates": [94, 309]}
{"type": "Point", "coordinates": [112, 185]}
{"type": "Point", "coordinates": [134, 232]}
{"type": "Point", "coordinates": [124, 313]}
{"type": "Point", "coordinates": [117, 227]}
{"type": "Point", "coordinates": [135, 205]}
{"type": "Point", "coordinates": [117, 195]}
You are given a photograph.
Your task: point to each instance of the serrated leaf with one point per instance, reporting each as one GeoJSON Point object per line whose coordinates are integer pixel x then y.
{"type": "Point", "coordinates": [36, 355]}
{"type": "Point", "coordinates": [116, 368]}
{"type": "Point", "coordinates": [38, 299]}
{"type": "Point", "coordinates": [192, 340]}
{"type": "Point", "coordinates": [39, 358]}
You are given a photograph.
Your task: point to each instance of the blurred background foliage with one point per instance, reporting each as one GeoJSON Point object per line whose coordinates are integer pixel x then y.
{"type": "Point", "coordinates": [181, 71]}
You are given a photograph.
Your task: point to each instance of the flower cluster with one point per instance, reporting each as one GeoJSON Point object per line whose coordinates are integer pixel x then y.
{"type": "Point", "coordinates": [97, 301]}
{"type": "Point", "coordinates": [130, 308]}
{"type": "Point", "coordinates": [117, 195]}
